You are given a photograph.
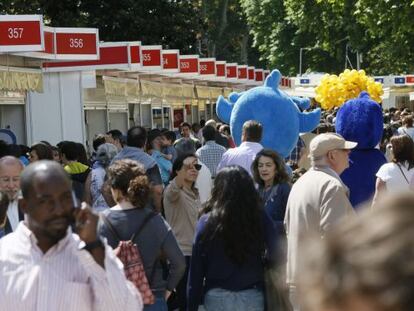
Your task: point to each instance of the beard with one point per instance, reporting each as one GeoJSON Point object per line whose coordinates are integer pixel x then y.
{"type": "Point", "coordinates": [56, 232]}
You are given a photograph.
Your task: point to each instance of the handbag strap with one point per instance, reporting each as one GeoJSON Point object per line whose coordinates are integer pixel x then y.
{"type": "Point", "coordinates": [146, 220]}
{"type": "Point", "coordinates": [402, 172]}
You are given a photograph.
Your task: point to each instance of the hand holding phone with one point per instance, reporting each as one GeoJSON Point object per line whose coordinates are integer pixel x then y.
{"type": "Point", "coordinates": [86, 223]}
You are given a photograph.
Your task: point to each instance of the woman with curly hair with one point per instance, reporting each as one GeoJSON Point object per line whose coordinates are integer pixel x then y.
{"type": "Point", "coordinates": [227, 267]}
{"type": "Point", "coordinates": [130, 190]}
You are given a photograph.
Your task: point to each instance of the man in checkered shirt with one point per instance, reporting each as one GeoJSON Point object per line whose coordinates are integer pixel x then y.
{"type": "Point", "coordinates": [211, 153]}
{"type": "Point", "coordinates": [293, 159]}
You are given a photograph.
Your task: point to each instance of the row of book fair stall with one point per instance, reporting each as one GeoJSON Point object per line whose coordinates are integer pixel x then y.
{"type": "Point", "coordinates": [59, 83]}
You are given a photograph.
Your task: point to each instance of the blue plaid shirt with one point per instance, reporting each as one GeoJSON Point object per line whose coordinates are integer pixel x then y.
{"type": "Point", "coordinates": [210, 154]}
{"type": "Point", "coordinates": [294, 157]}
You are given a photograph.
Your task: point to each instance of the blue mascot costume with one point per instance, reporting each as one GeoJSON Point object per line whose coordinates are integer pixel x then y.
{"type": "Point", "coordinates": [361, 120]}
{"type": "Point", "coordinates": [279, 114]}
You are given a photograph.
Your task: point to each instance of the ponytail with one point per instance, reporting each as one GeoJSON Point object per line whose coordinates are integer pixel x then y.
{"type": "Point", "coordinates": [138, 191]}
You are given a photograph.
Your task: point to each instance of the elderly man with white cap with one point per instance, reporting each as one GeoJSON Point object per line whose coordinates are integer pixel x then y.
{"type": "Point", "coordinates": [318, 200]}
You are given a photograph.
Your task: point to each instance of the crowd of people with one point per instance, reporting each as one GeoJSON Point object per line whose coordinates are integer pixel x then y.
{"type": "Point", "coordinates": [205, 221]}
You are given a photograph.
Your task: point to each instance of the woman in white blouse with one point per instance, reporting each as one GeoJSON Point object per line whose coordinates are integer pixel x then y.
{"type": "Point", "coordinates": [396, 175]}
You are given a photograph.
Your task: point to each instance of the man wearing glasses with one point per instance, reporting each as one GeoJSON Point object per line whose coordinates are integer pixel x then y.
{"type": "Point", "coordinates": [10, 215]}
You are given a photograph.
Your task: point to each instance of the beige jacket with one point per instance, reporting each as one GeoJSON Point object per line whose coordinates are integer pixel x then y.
{"type": "Point", "coordinates": [181, 208]}
{"type": "Point", "coordinates": [317, 201]}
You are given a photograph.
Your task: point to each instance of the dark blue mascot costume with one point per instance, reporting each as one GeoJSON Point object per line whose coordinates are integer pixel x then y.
{"type": "Point", "coordinates": [361, 120]}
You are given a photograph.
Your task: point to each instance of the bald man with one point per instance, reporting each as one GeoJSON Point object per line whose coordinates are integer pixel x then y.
{"type": "Point", "coordinates": [10, 215]}
{"type": "Point", "coordinates": [44, 266]}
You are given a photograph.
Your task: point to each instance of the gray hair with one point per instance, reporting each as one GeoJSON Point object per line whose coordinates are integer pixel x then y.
{"type": "Point", "coordinates": [105, 153]}
{"type": "Point", "coordinates": [318, 161]}
{"type": "Point", "coordinates": [10, 160]}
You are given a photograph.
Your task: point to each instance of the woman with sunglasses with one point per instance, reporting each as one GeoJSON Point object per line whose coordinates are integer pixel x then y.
{"type": "Point", "coordinates": [181, 207]}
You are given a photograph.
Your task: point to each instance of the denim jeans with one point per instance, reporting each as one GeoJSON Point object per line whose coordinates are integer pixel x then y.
{"type": "Point", "coordinates": [159, 305]}
{"type": "Point", "coordinates": [218, 299]}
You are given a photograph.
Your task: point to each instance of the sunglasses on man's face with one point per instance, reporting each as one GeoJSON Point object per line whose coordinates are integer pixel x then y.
{"type": "Point", "coordinates": [190, 166]}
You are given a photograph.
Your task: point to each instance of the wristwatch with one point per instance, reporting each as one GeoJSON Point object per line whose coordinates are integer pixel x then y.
{"type": "Point", "coordinates": [92, 245]}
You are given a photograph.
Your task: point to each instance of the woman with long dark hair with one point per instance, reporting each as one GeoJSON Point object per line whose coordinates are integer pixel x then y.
{"type": "Point", "coordinates": [230, 242]}
{"type": "Point", "coordinates": [269, 172]}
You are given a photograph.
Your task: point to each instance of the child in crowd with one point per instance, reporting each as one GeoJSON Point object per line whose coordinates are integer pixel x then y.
{"type": "Point", "coordinates": [167, 141]}
{"type": "Point", "coordinates": [154, 148]}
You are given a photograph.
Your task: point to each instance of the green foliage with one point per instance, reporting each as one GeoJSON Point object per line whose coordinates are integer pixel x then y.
{"type": "Point", "coordinates": [390, 24]}
{"type": "Point", "coordinates": [226, 33]}
{"type": "Point", "coordinates": [379, 30]}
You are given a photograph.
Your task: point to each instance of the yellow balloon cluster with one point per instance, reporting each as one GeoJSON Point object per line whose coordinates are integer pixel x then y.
{"type": "Point", "coordinates": [334, 91]}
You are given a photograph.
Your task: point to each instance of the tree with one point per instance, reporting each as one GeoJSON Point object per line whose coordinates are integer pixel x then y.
{"type": "Point", "coordinates": [390, 26]}
{"type": "Point", "coordinates": [273, 34]}
{"type": "Point", "coordinates": [381, 31]}
{"type": "Point", "coordinates": [226, 34]}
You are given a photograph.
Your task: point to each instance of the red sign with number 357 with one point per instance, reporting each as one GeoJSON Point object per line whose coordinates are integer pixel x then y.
{"type": "Point", "coordinates": [20, 33]}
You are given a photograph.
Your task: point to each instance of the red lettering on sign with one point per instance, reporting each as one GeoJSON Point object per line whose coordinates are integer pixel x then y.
{"type": "Point", "coordinates": [410, 79]}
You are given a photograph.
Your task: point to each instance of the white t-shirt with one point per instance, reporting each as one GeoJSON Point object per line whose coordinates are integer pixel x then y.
{"type": "Point", "coordinates": [204, 183]}
{"type": "Point", "coordinates": [394, 179]}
